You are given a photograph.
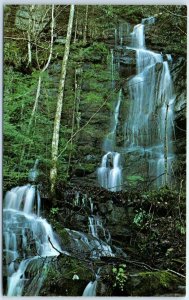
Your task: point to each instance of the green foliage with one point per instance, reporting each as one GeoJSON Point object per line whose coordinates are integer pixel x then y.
{"type": "Point", "coordinates": [13, 54]}
{"type": "Point", "coordinates": [93, 97]}
{"type": "Point", "coordinates": [29, 143]}
{"type": "Point", "coordinates": [97, 72]}
{"type": "Point", "coordinates": [180, 228]}
{"type": "Point", "coordinates": [120, 276]}
{"type": "Point", "coordinates": [141, 217]}
{"type": "Point", "coordinates": [97, 52]}
{"type": "Point", "coordinates": [94, 58]}
{"type": "Point", "coordinates": [134, 179]}
{"type": "Point", "coordinates": [54, 211]}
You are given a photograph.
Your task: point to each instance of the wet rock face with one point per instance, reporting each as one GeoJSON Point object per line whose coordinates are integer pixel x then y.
{"type": "Point", "coordinates": [127, 59]}
{"type": "Point", "coordinates": [178, 71]}
{"type": "Point", "coordinates": [141, 226]}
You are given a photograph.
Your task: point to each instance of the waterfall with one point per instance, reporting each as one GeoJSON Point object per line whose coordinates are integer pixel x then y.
{"type": "Point", "coordinates": [33, 173]}
{"type": "Point", "coordinates": [151, 105]}
{"type": "Point", "coordinates": [138, 39]}
{"type": "Point", "coordinates": [102, 236]}
{"type": "Point", "coordinates": [109, 174]}
{"type": "Point", "coordinates": [95, 246]}
{"type": "Point", "coordinates": [90, 289]}
{"type": "Point", "coordinates": [150, 93]}
{"type": "Point", "coordinates": [169, 57]}
{"type": "Point", "coordinates": [149, 21]}
{"type": "Point", "coordinates": [110, 140]}
{"type": "Point", "coordinates": [26, 237]}
{"type": "Point", "coordinates": [95, 225]}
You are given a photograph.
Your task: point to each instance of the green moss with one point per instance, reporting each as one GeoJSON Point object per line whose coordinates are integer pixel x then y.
{"type": "Point", "coordinates": [134, 179]}
{"type": "Point", "coordinates": [153, 283]}
{"type": "Point", "coordinates": [60, 281]}
{"type": "Point", "coordinates": [162, 278]}
{"type": "Point", "coordinates": [96, 53]}
{"type": "Point", "coordinates": [86, 167]}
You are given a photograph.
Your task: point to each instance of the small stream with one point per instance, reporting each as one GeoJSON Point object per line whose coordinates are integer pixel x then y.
{"type": "Point", "coordinates": [26, 236]}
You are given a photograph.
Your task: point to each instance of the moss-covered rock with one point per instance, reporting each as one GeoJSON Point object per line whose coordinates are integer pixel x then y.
{"type": "Point", "coordinates": [150, 283]}
{"type": "Point", "coordinates": [66, 276]}
{"type": "Point", "coordinates": [84, 169]}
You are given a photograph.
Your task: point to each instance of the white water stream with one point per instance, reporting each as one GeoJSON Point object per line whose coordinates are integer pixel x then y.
{"type": "Point", "coordinates": [151, 94]}
{"type": "Point", "coordinates": [110, 174]}
{"type": "Point", "coordinates": [149, 125]}
{"type": "Point", "coordinates": [91, 288]}
{"type": "Point", "coordinates": [26, 236]}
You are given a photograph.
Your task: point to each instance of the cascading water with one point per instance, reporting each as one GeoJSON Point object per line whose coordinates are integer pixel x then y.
{"type": "Point", "coordinates": [138, 38]}
{"type": "Point", "coordinates": [97, 239]}
{"type": "Point", "coordinates": [91, 287]}
{"type": "Point", "coordinates": [109, 174]}
{"type": "Point", "coordinates": [33, 173]}
{"type": "Point", "coordinates": [96, 226]}
{"type": "Point", "coordinates": [27, 238]}
{"type": "Point", "coordinates": [149, 122]}
{"type": "Point", "coordinates": [148, 125]}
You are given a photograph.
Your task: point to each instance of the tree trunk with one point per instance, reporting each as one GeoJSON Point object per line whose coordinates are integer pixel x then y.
{"type": "Point", "coordinates": [75, 35]}
{"type": "Point", "coordinates": [85, 26]}
{"type": "Point", "coordinates": [73, 125]}
{"type": "Point", "coordinates": [55, 139]}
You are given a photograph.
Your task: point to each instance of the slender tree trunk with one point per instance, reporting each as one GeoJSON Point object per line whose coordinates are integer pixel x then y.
{"type": "Point", "coordinates": [166, 146]}
{"type": "Point", "coordinates": [55, 139]}
{"type": "Point", "coordinates": [29, 49]}
{"type": "Point", "coordinates": [76, 117]}
{"type": "Point", "coordinates": [29, 31]}
{"type": "Point", "coordinates": [85, 26]}
{"type": "Point", "coordinates": [75, 35]}
{"type": "Point", "coordinates": [43, 70]}
{"type": "Point", "coordinates": [78, 80]}
{"type": "Point", "coordinates": [73, 125]}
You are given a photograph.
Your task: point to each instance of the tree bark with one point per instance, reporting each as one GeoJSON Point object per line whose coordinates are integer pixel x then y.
{"type": "Point", "coordinates": [75, 35]}
{"type": "Point", "coordinates": [55, 139]}
{"type": "Point", "coordinates": [85, 26]}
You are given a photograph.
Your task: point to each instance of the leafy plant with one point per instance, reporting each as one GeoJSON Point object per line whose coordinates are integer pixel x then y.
{"type": "Point", "coordinates": [180, 228]}
{"type": "Point", "coordinates": [120, 276]}
{"type": "Point", "coordinates": [140, 217]}
{"type": "Point", "coordinates": [54, 211]}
